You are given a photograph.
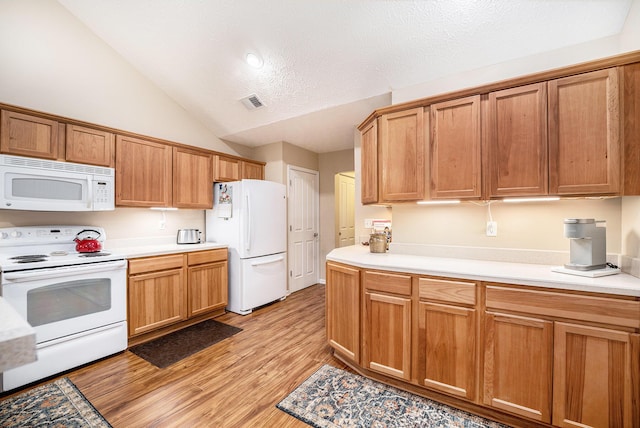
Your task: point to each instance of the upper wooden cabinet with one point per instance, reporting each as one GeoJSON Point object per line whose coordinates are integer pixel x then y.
{"type": "Point", "coordinates": [252, 170]}
{"type": "Point", "coordinates": [226, 168]}
{"type": "Point", "coordinates": [143, 173]}
{"type": "Point", "coordinates": [90, 146]}
{"type": "Point", "coordinates": [455, 149]}
{"type": "Point", "coordinates": [192, 178]}
{"type": "Point", "coordinates": [584, 134]}
{"type": "Point", "coordinates": [517, 141]}
{"type": "Point", "coordinates": [402, 156]}
{"type": "Point", "coordinates": [369, 163]}
{"type": "Point", "coordinates": [26, 135]}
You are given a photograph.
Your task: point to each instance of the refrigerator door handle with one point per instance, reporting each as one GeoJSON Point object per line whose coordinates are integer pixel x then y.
{"type": "Point", "coordinates": [279, 259]}
{"type": "Point", "coordinates": [247, 240]}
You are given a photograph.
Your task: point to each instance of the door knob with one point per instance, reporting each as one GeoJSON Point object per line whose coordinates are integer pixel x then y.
{"type": "Point", "coordinates": [315, 235]}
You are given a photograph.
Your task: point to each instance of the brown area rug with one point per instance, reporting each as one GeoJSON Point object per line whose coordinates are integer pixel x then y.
{"type": "Point", "coordinates": [55, 404]}
{"type": "Point", "coordinates": [173, 347]}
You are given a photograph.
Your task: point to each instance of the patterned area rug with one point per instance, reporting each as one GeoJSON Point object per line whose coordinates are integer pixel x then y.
{"type": "Point", "coordinates": [173, 347]}
{"type": "Point", "coordinates": [335, 398]}
{"type": "Point", "coordinates": [56, 404]}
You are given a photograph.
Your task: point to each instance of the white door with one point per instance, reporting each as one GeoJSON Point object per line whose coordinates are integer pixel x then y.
{"type": "Point", "coordinates": [303, 227]}
{"type": "Point", "coordinates": [345, 215]}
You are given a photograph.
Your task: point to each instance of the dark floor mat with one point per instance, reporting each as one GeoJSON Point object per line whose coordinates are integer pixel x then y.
{"type": "Point", "coordinates": [173, 347]}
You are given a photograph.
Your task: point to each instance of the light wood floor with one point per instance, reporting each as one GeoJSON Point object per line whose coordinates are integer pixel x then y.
{"type": "Point", "coordinates": [234, 383]}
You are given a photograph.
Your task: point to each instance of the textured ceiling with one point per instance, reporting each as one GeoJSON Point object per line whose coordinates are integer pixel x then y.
{"type": "Point", "coordinates": [327, 63]}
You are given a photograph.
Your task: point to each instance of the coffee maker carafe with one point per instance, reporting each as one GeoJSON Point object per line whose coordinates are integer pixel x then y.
{"type": "Point", "coordinates": [588, 244]}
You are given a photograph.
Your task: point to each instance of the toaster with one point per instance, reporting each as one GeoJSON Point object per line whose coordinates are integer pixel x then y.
{"type": "Point", "coordinates": [189, 236]}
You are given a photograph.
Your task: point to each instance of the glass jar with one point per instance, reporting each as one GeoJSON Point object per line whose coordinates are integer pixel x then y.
{"type": "Point", "coordinates": [378, 242]}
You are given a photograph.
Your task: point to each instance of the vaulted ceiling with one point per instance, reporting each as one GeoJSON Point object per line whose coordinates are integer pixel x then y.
{"type": "Point", "coordinates": [326, 63]}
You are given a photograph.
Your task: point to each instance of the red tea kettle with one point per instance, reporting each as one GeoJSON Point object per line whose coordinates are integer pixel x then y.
{"type": "Point", "coordinates": [86, 243]}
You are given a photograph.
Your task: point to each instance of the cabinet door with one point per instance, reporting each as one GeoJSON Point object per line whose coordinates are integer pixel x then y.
{"type": "Point", "coordinates": [369, 163]}
{"type": "Point", "coordinates": [226, 169]}
{"type": "Point", "coordinates": [447, 349]}
{"type": "Point", "coordinates": [386, 323]}
{"type": "Point", "coordinates": [192, 179]}
{"type": "Point", "coordinates": [90, 146]}
{"type": "Point", "coordinates": [143, 173]}
{"type": "Point", "coordinates": [518, 364]}
{"type": "Point", "coordinates": [517, 141]}
{"type": "Point", "coordinates": [253, 171]}
{"type": "Point", "coordinates": [455, 149]}
{"type": "Point", "coordinates": [584, 128]}
{"type": "Point", "coordinates": [207, 288]}
{"type": "Point", "coordinates": [343, 310]}
{"type": "Point", "coordinates": [26, 135]}
{"type": "Point", "coordinates": [401, 162]}
{"type": "Point", "coordinates": [156, 299]}
{"type": "Point", "coordinates": [593, 372]}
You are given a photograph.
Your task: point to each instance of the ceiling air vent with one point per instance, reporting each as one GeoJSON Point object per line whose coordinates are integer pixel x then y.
{"type": "Point", "coordinates": [252, 102]}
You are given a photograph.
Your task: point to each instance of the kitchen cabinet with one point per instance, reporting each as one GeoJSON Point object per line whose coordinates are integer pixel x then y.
{"type": "Point", "coordinates": [447, 336]}
{"type": "Point", "coordinates": [369, 163]}
{"type": "Point", "coordinates": [207, 279]}
{"type": "Point", "coordinates": [455, 149]}
{"type": "Point", "coordinates": [343, 310]}
{"type": "Point", "coordinates": [169, 292]}
{"type": "Point", "coordinates": [593, 374]}
{"type": "Point", "coordinates": [518, 364]}
{"type": "Point", "coordinates": [192, 178]}
{"type": "Point", "coordinates": [386, 326]}
{"type": "Point", "coordinates": [143, 173]}
{"type": "Point", "coordinates": [252, 170]}
{"type": "Point", "coordinates": [226, 168]}
{"type": "Point", "coordinates": [517, 141]}
{"type": "Point", "coordinates": [156, 293]}
{"type": "Point", "coordinates": [584, 134]}
{"type": "Point", "coordinates": [26, 135]}
{"type": "Point", "coordinates": [90, 146]}
{"type": "Point", "coordinates": [402, 156]}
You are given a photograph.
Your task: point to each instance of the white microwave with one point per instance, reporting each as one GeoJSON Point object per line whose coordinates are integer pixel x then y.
{"type": "Point", "coordinates": [43, 185]}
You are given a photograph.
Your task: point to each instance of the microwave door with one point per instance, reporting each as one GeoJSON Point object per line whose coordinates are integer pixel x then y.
{"type": "Point", "coordinates": [52, 191]}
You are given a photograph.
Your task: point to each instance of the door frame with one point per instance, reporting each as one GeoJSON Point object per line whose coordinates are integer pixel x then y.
{"type": "Point", "coordinates": [290, 207]}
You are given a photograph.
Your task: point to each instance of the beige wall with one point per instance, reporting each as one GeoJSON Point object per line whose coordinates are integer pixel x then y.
{"type": "Point", "coordinates": [52, 63]}
{"type": "Point", "coordinates": [329, 165]}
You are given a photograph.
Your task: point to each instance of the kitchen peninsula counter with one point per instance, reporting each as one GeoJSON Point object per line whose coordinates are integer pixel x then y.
{"type": "Point", "coordinates": [538, 275]}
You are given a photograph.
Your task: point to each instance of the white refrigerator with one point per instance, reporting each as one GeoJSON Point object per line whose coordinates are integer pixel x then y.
{"type": "Point", "coordinates": [250, 217]}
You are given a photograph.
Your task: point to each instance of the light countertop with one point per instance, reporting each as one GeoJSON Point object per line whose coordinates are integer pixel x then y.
{"type": "Point", "coordinates": [17, 338]}
{"type": "Point", "coordinates": [140, 248]}
{"type": "Point", "coordinates": [538, 275]}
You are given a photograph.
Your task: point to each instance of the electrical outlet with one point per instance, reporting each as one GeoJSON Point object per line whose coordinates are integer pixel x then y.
{"type": "Point", "coordinates": [162, 225]}
{"type": "Point", "coordinates": [368, 223]}
{"type": "Point", "coordinates": [492, 228]}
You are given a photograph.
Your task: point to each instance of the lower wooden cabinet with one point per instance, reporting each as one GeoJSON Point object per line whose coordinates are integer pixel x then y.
{"type": "Point", "coordinates": [593, 376]}
{"type": "Point", "coordinates": [517, 365]}
{"type": "Point", "coordinates": [166, 291]}
{"type": "Point", "coordinates": [343, 310]}
{"type": "Point", "coordinates": [387, 324]}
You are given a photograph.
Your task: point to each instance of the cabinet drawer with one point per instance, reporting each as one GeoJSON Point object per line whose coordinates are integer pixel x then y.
{"type": "Point", "coordinates": [604, 310]}
{"type": "Point", "coordinates": [388, 282]}
{"type": "Point", "coordinates": [448, 291]}
{"type": "Point", "coordinates": [209, 256]}
{"type": "Point", "coordinates": [151, 264]}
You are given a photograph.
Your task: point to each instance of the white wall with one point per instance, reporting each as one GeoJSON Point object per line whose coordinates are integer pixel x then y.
{"type": "Point", "coordinates": [52, 63]}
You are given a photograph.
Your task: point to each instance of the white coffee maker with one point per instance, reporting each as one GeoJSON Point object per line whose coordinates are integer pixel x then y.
{"type": "Point", "coordinates": [588, 243]}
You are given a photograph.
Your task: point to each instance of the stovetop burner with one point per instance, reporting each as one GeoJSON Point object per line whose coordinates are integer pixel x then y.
{"type": "Point", "coordinates": [96, 254]}
{"type": "Point", "coordinates": [30, 260]}
{"type": "Point", "coordinates": [29, 256]}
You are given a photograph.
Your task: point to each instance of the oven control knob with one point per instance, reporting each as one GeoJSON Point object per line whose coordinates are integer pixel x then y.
{"type": "Point", "coordinates": [4, 235]}
{"type": "Point", "coordinates": [16, 234]}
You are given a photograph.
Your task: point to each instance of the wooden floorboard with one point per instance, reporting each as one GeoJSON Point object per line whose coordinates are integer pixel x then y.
{"type": "Point", "coordinates": [234, 383]}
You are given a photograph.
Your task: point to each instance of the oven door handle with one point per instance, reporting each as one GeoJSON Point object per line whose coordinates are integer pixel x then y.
{"type": "Point", "coordinates": [30, 275]}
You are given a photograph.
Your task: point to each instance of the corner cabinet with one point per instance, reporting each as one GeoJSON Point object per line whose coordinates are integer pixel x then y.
{"type": "Point", "coordinates": [584, 134]}
{"type": "Point", "coordinates": [522, 355]}
{"type": "Point", "coordinates": [143, 173]}
{"type": "Point", "coordinates": [455, 149]}
{"type": "Point", "coordinates": [343, 310]}
{"type": "Point", "coordinates": [169, 292]}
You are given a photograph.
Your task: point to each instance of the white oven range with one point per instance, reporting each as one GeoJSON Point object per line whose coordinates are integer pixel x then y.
{"type": "Point", "coordinates": [76, 302]}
